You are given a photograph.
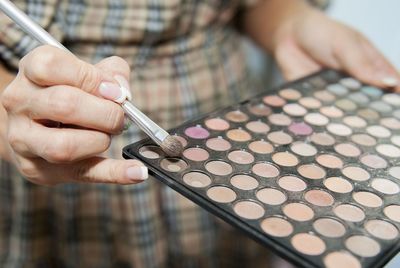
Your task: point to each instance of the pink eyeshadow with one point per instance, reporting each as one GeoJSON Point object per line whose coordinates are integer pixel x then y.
{"type": "Point", "coordinates": [197, 132]}
{"type": "Point", "coordinates": [300, 129]}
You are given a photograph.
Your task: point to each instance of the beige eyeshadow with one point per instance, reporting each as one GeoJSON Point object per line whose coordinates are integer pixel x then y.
{"type": "Point", "coordinates": [346, 105]}
{"type": "Point", "coordinates": [303, 149]}
{"type": "Point", "coordinates": [392, 212]}
{"type": "Point", "coordinates": [316, 119]}
{"type": "Point", "coordinates": [196, 154]}
{"type": "Point", "coordinates": [274, 101]}
{"type": "Point", "coordinates": [339, 129]}
{"type": "Point", "coordinates": [331, 111]}
{"type": "Point", "coordinates": [323, 139]}
{"type": "Point", "coordinates": [341, 259]}
{"type": "Point", "coordinates": [238, 135]}
{"type": "Point", "coordinates": [368, 114]}
{"type": "Point", "coordinates": [354, 121]}
{"type": "Point", "coordinates": [311, 171]}
{"type": "Point", "coordinates": [378, 131]}
{"type": "Point", "coordinates": [338, 185]}
{"type": "Point", "coordinates": [259, 109]}
{"type": "Point", "coordinates": [388, 150]}
{"type": "Point", "coordinates": [249, 210]}
{"type": "Point", "coordinates": [221, 194]}
{"type": "Point", "coordinates": [244, 182]}
{"type": "Point", "coordinates": [280, 119]}
{"type": "Point", "coordinates": [196, 179]}
{"type": "Point", "coordinates": [390, 122]}
{"type": "Point", "coordinates": [271, 196]}
{"type": "Point", "coordinates": [150, 152]}
{"type": "Point", "coordinates": [385, 186]}
{"type": "Point", "coordinates": [266, 170]}
{"type": "Point", "coordinates": [257, 127]}
{"type": "Point", "coordinates": [237, 116]}
{"type": "Point", "coordinates": [290, 94]}
{"type": "Point", "coordinates": [395, 172]}
{"type": "Point", "coordinates": [261, 147]}
{"type": "Point", "coordinates": [329, 227]}
{"type": "Point", "coordinates": [329, 161]}
{"type": "Point", "coordinates": [310, 102]}
{"type": "Point", "coordinates": [349, 212]}
{"type": "Point", "coordinates": [280, 137]}
{"type": "Point", "coordinates": [367, 199]}
{"type": "Point", "coordinates": [324, 95]}
{"type": "Point", "coordinates": [356, 173]}
{"type": "Point", "coordinates": [173, 164]}
{"type": "Point", "coordinates": [395, 139]}
{"type": "Point", "coordinates": [182, 140]}
{"type": "Point", "coordinates": [218, 144]}
{"type": "Point", "coordinates": [319, 198]}
{"type": "Point", "coordinates": [350, 83]}
{"type": "Point", "coordinates": [276, 226]}
{"type": "Point", "coordinates": [381, 229]}
{"type": "Point", "coordinates": [363, 139]}
{"type": "Point", "coordinates": [285, 159]}
{"type": "Point", "coordinates": [298, 211]}
{"type": "Point", "coordinates": [392, 98]}
{"type": "Point", "coordinates": [292, 183]}
{"type": "Point", "coordinates": [217, 124]}
{"type": "Point", "coordinates": [294, 109]}
{"type": "Point", "coordinates": [308, 244]}
{"type": "Point", "coordinates": [347, 149]}
{"type": "Point", "coordinates": [219, 168]}
{"type": "Point", "coordinates": [363, 246]}
{"type": "Point", "coordinates": [241, 157]}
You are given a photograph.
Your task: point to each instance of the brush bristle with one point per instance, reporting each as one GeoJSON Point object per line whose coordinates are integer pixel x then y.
{"type": "Point", "coordinates": [171, 146]}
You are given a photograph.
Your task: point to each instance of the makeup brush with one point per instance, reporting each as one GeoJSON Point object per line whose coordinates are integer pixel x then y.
{"type": "Point", "coordinates": [168, 144]}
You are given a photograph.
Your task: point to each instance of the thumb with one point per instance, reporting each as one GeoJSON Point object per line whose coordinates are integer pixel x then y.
{"type": "Point", "coordinates": [119, 70]}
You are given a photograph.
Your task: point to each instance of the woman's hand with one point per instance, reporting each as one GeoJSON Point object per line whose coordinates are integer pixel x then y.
{"type": "Point", "coordinates": [54, 86]}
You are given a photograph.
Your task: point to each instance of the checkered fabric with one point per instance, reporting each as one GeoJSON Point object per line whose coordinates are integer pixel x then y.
{"type": "Point", "coordinates": [186, 59]}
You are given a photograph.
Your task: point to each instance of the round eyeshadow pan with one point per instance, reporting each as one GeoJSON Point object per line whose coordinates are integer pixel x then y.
{"type": "Point", "coordinates": [395, 172]}
{"type": "Point", "coordinates": [381, 229]}
{"type": "Point", "coordinates": [363, 139]}
{"type": "Point", "coordinates": [319, 198]}
{"type": "Point", "coordinates": [329, 161]}
{"type": "Point", "coordinates": [380, 107]}
{"type": "Point", "coordinates": [274, 101]}
{"type": "Point", "coordinates": [265, 170]}
{"type": "Point", "coordinates": [294, 109]}
{"type": "Point", "coordinates": [337, 89]}
{"type": "Point", "coordinates": [349, 213]}
{"type": "Point", "coordinates": [280, 137]}
{"type": "Point", "coordinates": [329, 227]}
{"type": "Point", "coordinates": [277, 226]}
{"type": "Point", "coordinates": [385, 186]}
{"type": "Point", "coordinates": [271, 196]}
{"type": "Point", "coordinates": [173, 164]}
{"type": "Point", "coordinates": [150, 151]}
{"type": "Point", "coordinates": [316, 119]}
{"type": "Point", "coordinates": [197, 132]}
{"type": "Point", "coordinates": [285, 159]}
{"type": "Point", "coordinates": [298, 211]}
{"type": "Point", "coordinates": [378, 131]}
{"type": "Point", "coordinates": [308, 244]}
{"type": "Point", "coordinates": [359, 97]}
{"type": "Point", "coordinates": [310, 102]}
{"type": "Point", "coordinates": [257, 127]}
{"type": "Point", "coordinates": [341, 259]}
{"type": "Point", "coordinates": [261, 147]}
{"type": "Point", "coordinates": [367, 199]}
{"type": "Point", "coordinates": [339, 129]}
{"type": "Point", "coordinates": [388, 150]}
{"type": "Point", "coordinates": [311, 171]}
{"type": "Point", "coordinates": [219, 168]}
{"type": "Point", "coordinates": [182, 140]}
{"type": "Point", "coordinates": [217, 124]}
{"type": "Point", "coordinates": [347, 149]}
{"type": "Point", "coordinates": [324, 95]}
{"type": "Point", "coordinates": [292, 183]}
{"type": "Point", "coordinates": [218, 144]}
{"type": "Point", "coordinates": [392, 212]}
{"type": "Point", "coordinates": [303, 149]}
{"type": "Point", "coordinates": [300, 129]}
{"type": "Point", "coordinates": [259, 109]}
{"type": "Point", "coordinates": [372, 91]}
{"type": "Point", "coordinates": [244, 182]}
{"type": "Point", "coordinates": [196, 154]}
{"type": "Point", "coordinates": [390, 122]}
{"type": "Point", "coordinates": [331, 111]}
{"type": "Point", "coordinates": [248, 210]}
{"type": "Point", "coordinates": [280, 119]}
{"type": "Point", "coordinates": [241, 157]}
{"type": "Point", "coordinates": [362, 246]}
{"type": "Point", "coordinates": [290, 94]}
{"type": "Point", "coordinates": [238, 135]}
{"type": "Point", "coordinates": [354, 121]}
{"type": "Point", "coordinates": [373, 161]}
{"type": "Point", "coordinates": [196, 179]}
{"type": "Point", "coordinates": [350, 83]}
{"type": "Point", "coordinates": [396, 140]}
{"type": "Point", "coordinates": [368, 114]}
{"type": "Point", "coordinates": [323, 139]}
{"type": "Point", "coordinates": [338, 185]}
{"type": "Point", "coordinates": [237, 116]}
{"type": "Point", "coordinates": [356, 173]}
{"type": "Point", "coordinates": [392, 99]}
{"type": "Point", "coordinates": [346, 105]}
{"type": "Point", "coordinates": [221, 194]}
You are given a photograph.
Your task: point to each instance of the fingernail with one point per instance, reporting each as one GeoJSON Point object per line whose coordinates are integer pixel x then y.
{"type": "Point", "coordinates": [123, 83]}
{"type": "Point", "coordinates": [137, 173]}
{"type": "Point", "coordinates": [110, 91]}
{"type": "Point", "coordinates": [390, 81]}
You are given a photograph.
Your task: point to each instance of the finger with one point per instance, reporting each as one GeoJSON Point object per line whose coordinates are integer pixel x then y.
{"type": "Point", "coordinates": [55, 145]}
{"type": "Point", "coordinates": [293, 62]}
{"type": "Point", "coordinates": [92, 170]}
{"type": "Point", "coordinates": [71, 106]}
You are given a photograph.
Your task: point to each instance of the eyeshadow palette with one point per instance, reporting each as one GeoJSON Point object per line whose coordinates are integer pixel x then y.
{"type": "Point", "coordinates": [310, 170]}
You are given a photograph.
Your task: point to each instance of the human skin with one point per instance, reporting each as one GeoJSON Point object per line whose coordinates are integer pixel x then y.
{"type": "Point", "coordinates": [301, 38]}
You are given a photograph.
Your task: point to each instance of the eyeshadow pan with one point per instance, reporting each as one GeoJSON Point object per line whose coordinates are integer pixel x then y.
{"type": "Point", "coordinates": [218, 144]}
{"type": "Point", "coordinates": [310, 102]}
{"type": "Point", "coordinates": [396, 140]}
{"type": "Point", "coordinates": [380, 106]}
{"type": "Point", "coordinates": [372, 91]}
{"type": "Point", "coordinates": [356, 173]}
{"type": "Point", "coordinates": [257, 127]}
{"type": "Point", "coordinates": [381, 229]}
{"type": "Point", "coordinates": [303, 149]}
{"type": "Point", "coordinates": [294, 109]}
{"type": "Point", "coordinates": [196, 154]}
{"type": "Point", "coordinates": [331, 111]}
{"type": "Point", "coordinates": [290, 94]}
{"type": "Point", "coordinates": [346, 105]}
{"type": "Point", "coordinates": [339, 129]}
{"type": "Point", "coordinates": [271, 196]}
{"type": "Point", "coordinates": [337, 89]}
{"type": "Point", "coordinates": [151, 152]}
{"type": "Point", "coordinates": [367, 199]}
{"type": "Point", "coordinates": [392, 99]}
{"type": "Point", "coordinates": [316, 119]}
{"type": "Point", "coordinates": [308, 244]}
{"type": "Point", "coordinates": [341, 259]}
{"type": "Point", "coordinates": [359, 97]}
{"type": "Point", "coordinates": [329, 227]}
{"type": "Point", "coordinates": [238, 135]}
{"type": "Point", "coordinates": [311, 171]}
{"type": "Point", "coordinates": [323, 139]}
{"type": "Point", "coordinates": [182, 140]}
{"type": "Point", "coordinates": [362, 246]}
{"type": "Point", "coordinates": [395, 172]}
{"type": "Point", "coordinates": [338, 185]}
{"type": "Point", "coordinates": [280, 119]}
{"type": "Point", "coordinates": [350, 83]}
{"type": "Point", "coordinates": [292, 183]}
{"type": "Point", "coordinates": [173, 164]}
{"type": "Point", "coordinates": [274, 101]}
{"type": "Point", "coordinates": [244, 182]}
{"type": "Point", "coordinates": [390, 122]}
{"type": "Point", "coordinates": [280, 137]}
{"type": "Point", "coordinates": [249, 210]}
{"type": "Point", "coordinates": [373, 161]}
{"type": "Point", "coordinates": [368, 114]}
{"type": "Point", "coordinates": [385, 186]}
{"type": "Point", "coordinates": [197, 132]}
{"type": "Point", "coordinates": [392, 212]}
{"type": "Point", "coordinates": [261, 147]}
{"type": "Point", "coordinates": [363, 139]}
{"type": "Point", "coordinates": [285, 159]}
{"type": "Point", "coordinates": [277, 226]}
{"type": "Point", "coordinates": [329, 161]}
{"type": "Point", "coordinates": [349, 213]}
{"type": "Point", "coordinates": [388, 150]}
{"type": "Point", "coordinates": [300, 129]}
{"type": "Point", "coordinates": [324, 95]}
{"type": "Point", "coordinates": [237, 116]}
{"type": "Point", "coordinates": [219, 168]}
{"type": "Point", "coordinates": [298, 211]}
{"type": "Point", "coordinates": [217, 124]}
{"type": "Point", "coordinates": [266, 170]}
{"type": "Point", "coordinates": [259, 109]}
{"type": "Point", "coordinates": [241, 157]}
{"type": "Point", "coordinates": [196, 179]}
{"type": "Point", "coordinates": [221, 194]}
{"type": "Point", "coordinates": [396, 114]}
{"type": "Point", "coordinates": [319, 198]}
{"type": "Point", "coordinates": [347, 149]}
{"type": "Point", "coordinates": [378, 131]}
{"type": "Point", "coordinates": [354, 121]}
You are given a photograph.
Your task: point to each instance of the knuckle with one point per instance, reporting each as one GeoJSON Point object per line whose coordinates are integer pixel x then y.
{"type": "Point", "coordinates": [28, 169]}
{"type": "Point", "coordinates": [9, 99]}
{"type": "Point", "coordinates": [115, 118]}
{"type": "Point", "coordinates": [62, 102]}
{"type": "Point", "coordinates": [89, 78]}
{"type": "Point", "coordinates": [45, 59]}
{"type": "Point", "coordinates": [59, 150]}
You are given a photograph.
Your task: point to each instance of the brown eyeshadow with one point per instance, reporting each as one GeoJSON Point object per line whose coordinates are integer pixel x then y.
{"type": "Point", "coordinates": [237, 116]}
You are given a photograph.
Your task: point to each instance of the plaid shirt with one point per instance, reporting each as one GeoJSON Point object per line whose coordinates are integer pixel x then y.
{"type": "Point", "coordinates": [186, 59]}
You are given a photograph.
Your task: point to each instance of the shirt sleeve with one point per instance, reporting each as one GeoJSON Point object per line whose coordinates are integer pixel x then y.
{"type": "Point", "coordinates": [14, 43]}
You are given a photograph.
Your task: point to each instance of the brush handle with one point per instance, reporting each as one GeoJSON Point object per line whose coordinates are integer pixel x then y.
{"type": "Point", "coordinates": [153, 130]}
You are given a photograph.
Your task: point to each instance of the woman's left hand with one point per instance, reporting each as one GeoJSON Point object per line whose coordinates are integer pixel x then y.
{"type": "Point", "coordinates": [311, 40]}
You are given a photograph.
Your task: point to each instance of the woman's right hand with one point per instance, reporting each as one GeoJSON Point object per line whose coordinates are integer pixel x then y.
{"type": "Point", "coordinates": [52, 87]}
